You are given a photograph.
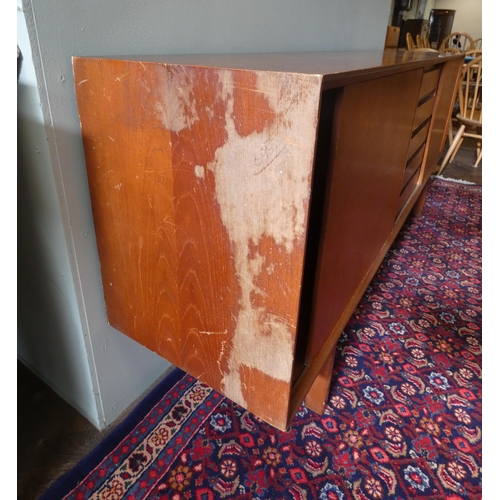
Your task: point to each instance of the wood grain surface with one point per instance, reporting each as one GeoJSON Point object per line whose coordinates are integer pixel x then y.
{"type": "Point", "coordinates": [200, 184]}
{"type": "Point", "coordinates": [371, 135]}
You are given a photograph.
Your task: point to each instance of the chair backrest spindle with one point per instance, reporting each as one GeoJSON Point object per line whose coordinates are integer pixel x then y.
{"type": "Point", "coordinates": [458, 40]}
{"type": "Point", "coordinates": [470, 93]}
{"type": "Point", "coordinates": [410, 44]}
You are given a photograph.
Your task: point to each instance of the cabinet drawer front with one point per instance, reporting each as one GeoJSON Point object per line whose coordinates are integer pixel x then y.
{"type": "Point", "coordinates": [424, 111]}
{"type": "Point", "coordinates": [412, 167]}
{"type": "Point", "coordinates": [418, 140]}
{"type": "Point", "coordinates": [429, 82]}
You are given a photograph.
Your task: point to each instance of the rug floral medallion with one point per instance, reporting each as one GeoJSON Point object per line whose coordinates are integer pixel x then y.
{"type": "Point", "coordinates": [403, 419]}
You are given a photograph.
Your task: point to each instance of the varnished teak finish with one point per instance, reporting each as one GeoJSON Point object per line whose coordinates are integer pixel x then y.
{"type": "Point", "coordinates": [363, 190]}
{"type": "Point", "coordinates": [203, 173]}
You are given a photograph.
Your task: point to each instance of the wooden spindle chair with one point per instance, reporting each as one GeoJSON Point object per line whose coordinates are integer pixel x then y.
{"type": "Point", "coordinates": [470, 114]}
{"type": "Point", "coordinates": [410, 44]}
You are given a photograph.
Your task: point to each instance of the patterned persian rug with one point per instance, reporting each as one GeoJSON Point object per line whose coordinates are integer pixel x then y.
{"type": "Point", "coordinates": [404, 413]}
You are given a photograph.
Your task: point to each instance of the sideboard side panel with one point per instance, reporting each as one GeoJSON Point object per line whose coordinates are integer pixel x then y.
{"type": "Point", "coordinates": [200, 180]}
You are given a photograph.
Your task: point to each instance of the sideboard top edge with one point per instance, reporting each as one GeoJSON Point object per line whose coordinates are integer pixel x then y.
{"type": "Point", "coordinates": [313, 63]}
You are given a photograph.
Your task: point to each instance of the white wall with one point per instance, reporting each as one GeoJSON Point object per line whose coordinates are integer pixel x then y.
{"type": "Point", "coordinates": [468, 16]}
{"type": "Point", "coordinates": [112, 369]}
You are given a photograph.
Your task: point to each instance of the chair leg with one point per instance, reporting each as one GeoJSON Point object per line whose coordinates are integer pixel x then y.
{"type": "Point", "coordinates": [452, 147]}
{"type": "Point", "coordinates": [479, 156]}
{"type": "Point", "coordinates": [456, 150]}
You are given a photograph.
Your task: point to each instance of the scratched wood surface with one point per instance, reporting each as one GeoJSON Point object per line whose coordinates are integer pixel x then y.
{"type": "Point", "coordinates": [200, 184]}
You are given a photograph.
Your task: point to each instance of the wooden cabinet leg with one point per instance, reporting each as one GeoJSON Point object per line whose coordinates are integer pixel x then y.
{"type": "Point", "coordinates": [318, 393]}
{"type": "Point", "coordinates": [419, 204]}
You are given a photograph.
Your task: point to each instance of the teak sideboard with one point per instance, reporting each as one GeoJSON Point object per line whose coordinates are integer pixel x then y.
{"type": "Point", "coordinates": [242, 203]}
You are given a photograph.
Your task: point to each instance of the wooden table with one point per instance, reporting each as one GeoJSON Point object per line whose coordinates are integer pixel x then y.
{"type": "Point", "coordinates": [242, 203]}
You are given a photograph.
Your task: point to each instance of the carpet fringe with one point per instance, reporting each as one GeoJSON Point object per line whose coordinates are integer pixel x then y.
{"type": "Point", "coordinates": [458, 181]}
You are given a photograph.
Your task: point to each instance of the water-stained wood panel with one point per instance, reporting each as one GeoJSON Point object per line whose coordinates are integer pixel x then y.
{"type": "Point", "coordinates": [200, 181]}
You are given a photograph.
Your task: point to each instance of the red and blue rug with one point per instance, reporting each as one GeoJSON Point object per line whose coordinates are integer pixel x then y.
{"type": "Point", "coordinates": [404, 413]}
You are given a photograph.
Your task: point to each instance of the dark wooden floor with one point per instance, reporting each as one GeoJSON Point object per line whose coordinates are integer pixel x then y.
{"type": "Point", "coordinates": [53, 436]}
{"type": "Point", "coordinates": [462, 167]}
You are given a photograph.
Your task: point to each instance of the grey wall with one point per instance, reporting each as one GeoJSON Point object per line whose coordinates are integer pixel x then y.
{"type": "Point", "coordinates": [115, 368]}
{"type": "Point", "coordinates": [50, 338]}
